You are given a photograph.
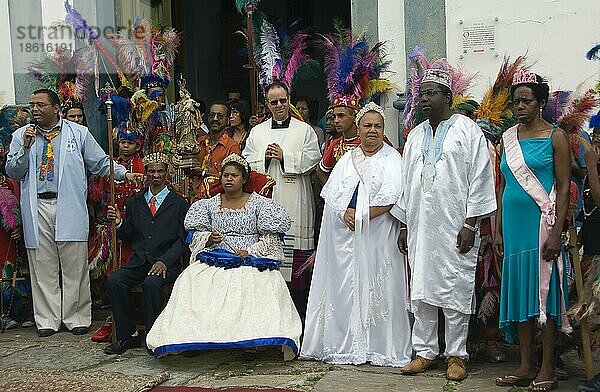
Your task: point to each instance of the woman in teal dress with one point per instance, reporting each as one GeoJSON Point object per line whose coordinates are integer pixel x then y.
{"type": "Point", "coordinates": [546, 152]}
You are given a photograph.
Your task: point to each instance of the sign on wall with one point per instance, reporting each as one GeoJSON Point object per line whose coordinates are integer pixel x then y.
{"type": "Point", "coordinates": [478, 38]}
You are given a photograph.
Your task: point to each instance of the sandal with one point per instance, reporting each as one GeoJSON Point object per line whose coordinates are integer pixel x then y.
{"type": "Point", "coordinates": [510, 380]}
{"type": "Point", "coordinates": [543, 386]}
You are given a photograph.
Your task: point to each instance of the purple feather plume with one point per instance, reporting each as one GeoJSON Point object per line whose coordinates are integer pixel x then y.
{"type": "Point", "coordinates": [82, 29]}
{"type": "Point", "coordinates": [331, 65]}
{"type": "Point", "coordinates": [297, 57]}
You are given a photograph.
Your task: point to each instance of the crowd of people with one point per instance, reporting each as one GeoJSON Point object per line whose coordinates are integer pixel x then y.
{"type": "Point", "coordinates": [246, 228]}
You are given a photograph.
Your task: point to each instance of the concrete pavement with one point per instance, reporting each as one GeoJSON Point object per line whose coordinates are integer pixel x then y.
{"type": "Point", "coordinates": [65, 359]}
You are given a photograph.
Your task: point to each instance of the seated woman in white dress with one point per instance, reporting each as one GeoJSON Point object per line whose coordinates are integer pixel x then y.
{"type": "Point", "coordinates": [232, 295]}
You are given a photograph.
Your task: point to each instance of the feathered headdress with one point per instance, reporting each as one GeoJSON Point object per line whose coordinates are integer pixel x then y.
{"type": "Point", "coordinates": [594, 54]}
{"type": "Point", "coordinates": [494, 114]}
{"type": "Point", "coordinates": [86, 33]}
{"type": "Point", "coordinates": [595, 121]}
{"type": "Point", "coordinates": [147, 51]}
{"type": "Point", "coordinates": [66, 73]}
{"type": "Point", "coordinates": [128, 131]}
{"type": "Point", "coordinates": [571, 111]}
{"type": "Point", "coordinates": [242, 5]}
{"type": "Point", "coordinates": [419, 63]}
{"type": "Point", "coordinates": [354, 72]}
{"type": "Point", "coordinates": [11, 118]}
{"type": "Point", "coordinates": [280, 56]}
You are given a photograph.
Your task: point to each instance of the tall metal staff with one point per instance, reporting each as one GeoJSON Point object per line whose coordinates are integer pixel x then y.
{"type": "Point", "coordinates": [111, 176]}
{"type": "Point", "coordinates": [249, 6]}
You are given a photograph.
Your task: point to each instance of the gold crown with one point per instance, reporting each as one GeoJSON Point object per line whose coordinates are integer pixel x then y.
{"type": "Point", "coordinates": [156, 157]}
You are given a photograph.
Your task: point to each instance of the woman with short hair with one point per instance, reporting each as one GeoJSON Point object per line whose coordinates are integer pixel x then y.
{"type": "Point", "coordinates": [533, 203]}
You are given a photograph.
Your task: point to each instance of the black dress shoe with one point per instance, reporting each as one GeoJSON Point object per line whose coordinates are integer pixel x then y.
{"type": "Point", "coordinates": [80, 330]}
{"type": "Point", "coordinates": [45, 332]}
{"type": "Point", "coordinates": [120, 346]}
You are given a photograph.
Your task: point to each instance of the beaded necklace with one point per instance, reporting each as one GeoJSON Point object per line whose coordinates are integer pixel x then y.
{"type": "Point", "coordinates": [209, 150]}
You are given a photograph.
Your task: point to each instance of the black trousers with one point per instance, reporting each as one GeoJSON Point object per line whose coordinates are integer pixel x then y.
{"type": "Point", "coordinates": [118, 286]}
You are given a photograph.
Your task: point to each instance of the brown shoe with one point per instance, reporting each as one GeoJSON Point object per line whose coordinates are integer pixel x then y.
{"type": "Point", "coordinates": [419, 365]}
{"type": "Point", "coordinates": [457, 369]}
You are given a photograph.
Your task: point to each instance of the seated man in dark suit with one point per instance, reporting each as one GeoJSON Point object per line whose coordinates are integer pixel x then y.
{"type": "Point", "coordinates": [153, 227]}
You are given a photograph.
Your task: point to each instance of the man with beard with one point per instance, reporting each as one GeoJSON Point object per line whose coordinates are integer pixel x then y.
{"type": "Point", "coordinates": [214, 147]}
{"type": "Point", "coordinates": [449, 187]}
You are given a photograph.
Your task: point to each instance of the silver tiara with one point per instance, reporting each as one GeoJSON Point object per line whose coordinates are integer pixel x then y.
{"type": "Point", "coordinates": [237, 159]}
{"type": "Point", "coordinates": [370, 107]}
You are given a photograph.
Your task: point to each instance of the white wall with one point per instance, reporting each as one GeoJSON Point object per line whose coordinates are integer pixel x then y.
{"type": "Point", "coordinates": [7, 83]}
{"type": "Point", "coordinates": [554, 34]}
{"type": "Point", "coordinates": [53, 16]}
{"type": "Point", "coordinates": [391, 29]}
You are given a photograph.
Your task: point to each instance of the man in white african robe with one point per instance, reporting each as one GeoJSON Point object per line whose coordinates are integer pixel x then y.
{"type": "Point", "coordinates": [357, 306]}
{"type": "Point", "coordinates": [293, 189]}
{"type": "Point", "coordinates": [435, 203]}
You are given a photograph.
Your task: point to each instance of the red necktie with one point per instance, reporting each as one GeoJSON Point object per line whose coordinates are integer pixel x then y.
{"type": "Point", "coordinates": [153, 205]}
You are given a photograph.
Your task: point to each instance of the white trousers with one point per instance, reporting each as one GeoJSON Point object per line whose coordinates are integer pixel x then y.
{"type": "Point", "coordinates": [425, 331]}
{"type": "Point", "coordinates": [52, 305]}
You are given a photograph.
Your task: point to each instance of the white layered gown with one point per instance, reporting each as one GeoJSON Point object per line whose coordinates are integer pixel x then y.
{"type": "Point", "coordinates": [357, 303]}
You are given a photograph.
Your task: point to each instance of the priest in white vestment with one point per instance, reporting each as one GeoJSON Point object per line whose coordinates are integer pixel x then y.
{"type": "Point", "coordinates": [288, 150]}
{"type": "Point", "coordinates": [448, 187]}
{"type": "Point", "coordinates": [357, 306]}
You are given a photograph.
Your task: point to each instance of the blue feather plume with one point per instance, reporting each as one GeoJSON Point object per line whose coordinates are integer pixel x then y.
{"type": "Point", "coordinates": [378, 69]}
{"type": "Point", "coordinates": [594, 53]}
{"type": "Point", "coordinates": [120, 109]}
{"type": "Point", "coordinates": [595, 121]}
{"type": "Point", "coordinates": [348, 63]}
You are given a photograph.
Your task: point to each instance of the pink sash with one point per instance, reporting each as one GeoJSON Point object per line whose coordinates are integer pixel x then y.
{"type": "Point", "coordinates": [547, 203]}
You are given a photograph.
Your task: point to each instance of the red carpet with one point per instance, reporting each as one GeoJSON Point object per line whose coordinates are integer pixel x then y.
{"type": "Point", "coordinates": [230, 389]}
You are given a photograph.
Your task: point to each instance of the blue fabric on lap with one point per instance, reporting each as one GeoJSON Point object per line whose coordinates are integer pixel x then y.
{"type": "Point", "coordinates": [225, 259]}
{"type": "Point", "coordinates": [354, 199]}
{"type": "Point", "coordinates": [190, 234]}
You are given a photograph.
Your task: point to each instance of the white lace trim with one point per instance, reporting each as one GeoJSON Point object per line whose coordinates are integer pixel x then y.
{"type": "Point", "coordinates": [324, 311]}
{"type": "Point", "coordinates": [225, 209]}
{"type": "Point", "coordinates": [355, 359]}
{"type": "Point", "coordinates": [377, 309]}
{"type": "Point", "coordinates": [268, 246]}
{"type": "Point", "coordinates": [198, 244]}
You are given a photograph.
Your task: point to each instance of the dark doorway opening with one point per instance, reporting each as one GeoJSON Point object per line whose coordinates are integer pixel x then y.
{"type": "Point", "coordinates": [211, 54]}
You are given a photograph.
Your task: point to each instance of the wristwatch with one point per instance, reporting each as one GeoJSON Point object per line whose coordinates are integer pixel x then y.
{"type": "Point", "coordinates": [474, 229]}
